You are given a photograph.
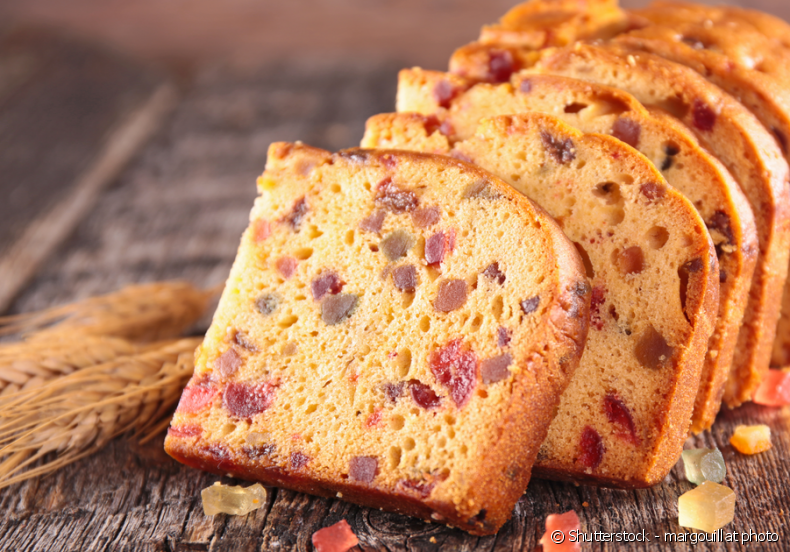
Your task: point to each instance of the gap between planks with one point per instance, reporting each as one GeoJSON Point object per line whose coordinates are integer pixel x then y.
{"type": "Point", "coordinates": [44, 234]}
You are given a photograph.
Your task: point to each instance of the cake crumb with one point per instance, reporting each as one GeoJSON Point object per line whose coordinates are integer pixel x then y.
{"type": "Point", "coordinates": [586, 504]}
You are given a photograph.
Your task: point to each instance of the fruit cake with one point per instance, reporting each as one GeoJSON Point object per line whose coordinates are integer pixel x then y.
{"type": "Point", "coordinates": [396, 330]}
{"type": "Point", "coordinates": [660, 137]}
{"type": "Point", "coordinates": [626, 413]}
{"type": "Point", "coordinates": [734, 136]}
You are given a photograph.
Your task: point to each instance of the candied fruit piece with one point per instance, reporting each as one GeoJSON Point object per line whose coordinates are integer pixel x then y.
{"type": "Point", "coordinates": [268, 303]}
{"type": "Point", "coordinates": [703, 116]}
{"type": "Point", "coordinates": [451, 295]}
{"type": "Point", "coordinates": [261, 229]}
{"type": "Point", "coordinates": [598, 298]}
{"type": "Point", "coordinates": [562, 151]}
{"type": "Point", "coordinates": [421, 488]}
{"type": "Point", "coordinates": [228, 362]}
{"type": "Point", "coordinates": [405, 278]}
{"type": "Point", "coordinates": [704, 465]}
{"type": "Point", "coordinates": [185, 431]}
{"type": "Point", "coordinates": [256, 452]}
{"type": "Point", "coordinates": [500, 66]}
{"type": "Point", "coordinates": [297, 214]}
{"type": "Point", "coordinates": [652, 190]}
{"type": "Point", "coordinates": [396, 244]}
{"type": "Point", "coordinates": [363, 468]}
{"type": "Point", "coordinates": [444, 93]}
{"type": "Point", "coordinates": [373, 222]}
{"type": "Point", "coordinates": [286, 266]}
{"type": "Point", "coordinates": [423, 395]}
{"type": "Point", "coordinates": [335, 538]}
{"type": "Point", "coordinates": [337, 308]}
{"type": "Point", "coordinates": [299, 460]}
{"type": "Point", "coordinates": [393, 391]}
{"type": "Point", "coordinates": [437, 246]}
{"type": "Point", "coordinates": [751, 439]}
{"type": "Point", "coordinates": [652, 350]}
{"type": "Point", "coordinates": [397, 200]}
{"type": "Point", "coordinates": [620, 416]}
{"type": "Point", "coordinates": [720, 221]}
{"type": "Point", "coordinates": [627, 131]}
{"type": "Point", "coordinates": [530, 305]}
{"type": "Point", "coordinates": [709, 507]}
{"type": "Point", "coordinates": [492, 271]}
{"type": "Point", "coordinates": [496, 369]}
{"type": "Point", "coordinates": [244, 400]}
{"type": "Point", "coordinates": [774, 389]}
{"type": "Point", "coordinates": [327, 282]}
{"type": "Point", "coordinates": [456, 370]}
{"type": "Point", "coordinates": [592, 448]}
{"type": "Point", "coordinates": [245, 342]}
{"type": "Point", "coordinates": [631, 260]}
{"type": "Point", "coordinates": [503, 336]}
{"type": "Point", "coordinates": [564, 523]}
{"type": "Point", "coordinates": [426, 217]}
{"type": "Point", "coordinates": [236, 501]}
{"type": "Point", "coordinates": [195, 398]}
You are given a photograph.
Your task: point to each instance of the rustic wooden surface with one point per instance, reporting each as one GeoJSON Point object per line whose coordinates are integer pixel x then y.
{"type": "Point", "coordinates": [177, 211]}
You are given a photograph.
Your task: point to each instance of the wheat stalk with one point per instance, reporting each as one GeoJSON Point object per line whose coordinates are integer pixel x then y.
{"type": "Point", "coordinates": [77, 414]}
{"type": "Point", "coordinates": [145, 312]}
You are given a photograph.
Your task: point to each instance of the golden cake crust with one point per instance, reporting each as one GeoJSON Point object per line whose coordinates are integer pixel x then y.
{"type": "Point", "coordinates": [619, 423]}
{"type": "Point", "coordinates": [435, 382]}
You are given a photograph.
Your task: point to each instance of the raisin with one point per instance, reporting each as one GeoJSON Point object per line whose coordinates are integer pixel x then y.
{"type": "Point", "coordinates": [299, 460]}
{"type": "Point", "coordinates": [722, 276]}
{"type": "Point", "coordinates": [592, 448]}
{"type": "Point", "coordinates": [703, 116]}
{"type": "Point", "coordinates": [451, 295]}
{"type": "Point", "coordinates": [652, 190]}
{"type": "Point", "coordinates": [720, 222]}
{"type": "Point", "coordinates": [503, 337]}
{"type": "Point", "coordinates": [694, 265]}
{"type": "Point", "coordinates": [530, 305]}
{"type": "Point", "coordinates": [243, 340]}
{"type": "Point", "coordinates": [405, 278]}
{"type": "Point", "coordinates": [421, 488]}
{"type": "Point", "coordinates": [396, 244]}
{"type": "Point", "coordinates": [261, 229]}
{"type": "Point", "coordinates": [393, 391]}
{"type": "Point", "coordinates": [363, 468]}
{"type": "Point", "coordinates": [196, 397]}
{"type": "Point", "coordinates": [244, 400]}
{"type": "Point", "coordinates": [480, 188]}
{"type": "Point", "coordinates": [597, 300]}
{"type": "Point", "coordinates": [563, 151]}
{"type": "Point", "coordinates": [500, 66]}
{"type": "Point", "coordinates": [525, 86]}
{"type": "Point", "coordinates": [492, 271]}
{"type": "Point", "coordinates": [425, 217]}
{"type": "Point", "coordinates": [670, 150]}
{"type": "Point", "coordinates": [631, 260]}
{"type": "Point", "coordinates": [781, 138]}
{"type": "Point", "coordinates": [397, 200]}
{"type": "Point", "coordinates": [627, 131]}
{"type": "Point", "coordinates": [455, 369]}
{"type": "Point", "coordinates": [619, 415]}
{"type": "Point", "coordinates": [495, 369]}
{"type": "Point", "coordinates": [297, 214]}
{"type": "Point", "coordinates": [286, 266]}
{"type": "Point", "coordinates": [423, 395]}
{"type": "Point", "coordinates": [652, 350]}
{"type": "Point", "coordinates": [259, 451]}
{"type": "Point", "coordinates": [268, 303]}
{"type": "Point", "coordinates": [444, 93]}
{"type": "Point", "coordinates": [336, 308]}
{"type": "Point", "coordinates": [328, 282]}
{"type": "Point", "coordinates": [228, 362]}
{"type": "Point", "coordinates": [374, 222]}
{"type": "Point", "coordinates": [185, 431]}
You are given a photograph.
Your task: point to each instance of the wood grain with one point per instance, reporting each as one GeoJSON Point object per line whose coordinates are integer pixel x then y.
{"type": "Point", "coordinates": [178, 210]}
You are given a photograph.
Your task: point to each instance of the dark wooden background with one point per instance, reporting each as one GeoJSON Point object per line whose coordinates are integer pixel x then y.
{"type": "Point", "coordinates": [115, 171]}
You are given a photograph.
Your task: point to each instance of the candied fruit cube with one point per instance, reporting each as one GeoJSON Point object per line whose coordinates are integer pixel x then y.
{"type": "Point", "coordinates": [751, 439]}
{"type": "Point", "coordinates": [557, 537]}
{"type": "Point", "coordinates": [704, 465]}
{"type": "Point", "coordinates": [709, 507]}
{"type": "Point", "coordinates": [335, 538]}
{"type": "Point", "coordinates": [774, 389]}
{"type": "Point", "coordinates": [236, 501]}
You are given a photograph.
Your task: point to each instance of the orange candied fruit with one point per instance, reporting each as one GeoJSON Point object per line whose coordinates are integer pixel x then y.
{"type": "Point", "coordinates": [558, 537]}
{"type": "Point", "coordinates": [774, 389]}
{"type": "Point", "coordinates": [751, 439]}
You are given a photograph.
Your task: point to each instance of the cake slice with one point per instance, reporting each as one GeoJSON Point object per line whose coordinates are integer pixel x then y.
{"type": "Point", "coordinates": [671, 147]}
{"type": "Point", "coordinates": [396, 330]}
{"type": "Point", "coordinates": [731, 133]}
{"type": "Point", "coordinates": [626, 413]}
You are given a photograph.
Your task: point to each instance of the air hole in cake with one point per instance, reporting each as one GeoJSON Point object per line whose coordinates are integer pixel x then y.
{"type": "Point", "coordinates": [630, 260]}
{"type": "Point", "coordinates": [482, 393]}
{"type": "Point", "coordinates": [373, 247]}
{"type": "Point", "coordinates": [657, 237]}
{"type": "Point", "coordinates": [288, 321]}
{"type": "Point", "coordinates": [335, 188]}
{"type": "Point", "coordinates": [425, 323]}
{"type": "Point", "coordinates": [615, 216]}
{"type": "Point", "coordinates": [652, 350]}
{"type": "Point", "coordinates": [441, 442]}
{"type": "Point", "coordinates": [575, 107]}
{"type": "Point", "coordinates": [403, 361]}
{"type": "Point", "coordinates": [349, 237]}
{"type": "Point", "coordinates": [463, 449]}
{"type": "Point", "coordinates": [394, 457]}
{"type": "Point", "coordinates": [477, 321]}
{"type": "Point", "coordinates": [227, 429]}
{"type": "Point", "coordinates": [396, 422]}
{"type": "Point", "coordinates": [311, 408]}
{"type": "Point", "coordinates": [408, 443]}
{"type": "Point", "coordinates": [609, 192]}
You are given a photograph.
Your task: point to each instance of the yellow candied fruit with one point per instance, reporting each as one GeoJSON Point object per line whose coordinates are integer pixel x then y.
{"type": "Point", "coordinates": [236, 501]}
{"type": "Point", "coordinates": [266, 183]}
{"type": "Point", "coordinates": [709, 507]}
{"type": "Point", "coordinates": [751, 439]}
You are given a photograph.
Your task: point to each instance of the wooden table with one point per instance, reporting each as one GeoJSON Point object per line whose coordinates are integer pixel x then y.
{"type": "Point", "coordinates": [111, 175]}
